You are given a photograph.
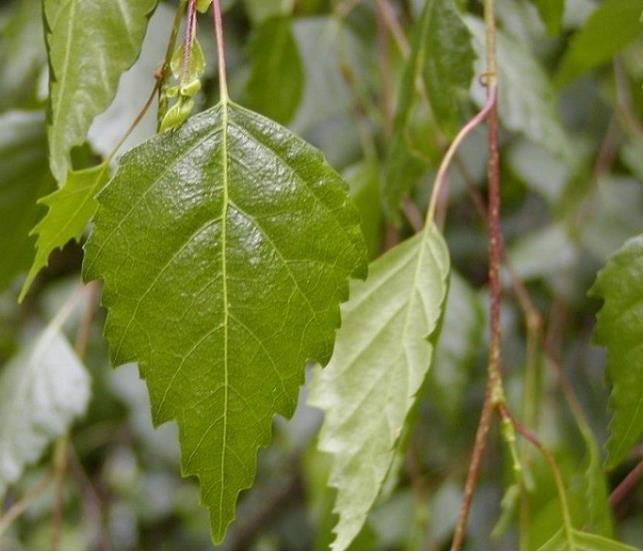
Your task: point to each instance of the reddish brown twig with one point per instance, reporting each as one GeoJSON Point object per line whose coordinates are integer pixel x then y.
{"type": "Point", "coordinates": [627, 485]}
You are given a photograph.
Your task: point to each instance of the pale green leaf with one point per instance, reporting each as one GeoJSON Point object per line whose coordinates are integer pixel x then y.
{"type": "Point", "coordinates": [260, 10]}
{"type": "Point", "coordinates": [551, 12]}
{"type": "Point", "coordinates": [619, 328]}
{"type": "Point", "coordinates": [90, 45]}
{"type": "Point", "coordinates": [70, 209]}
{"type": "Point", "coordinates": [611, 27]}
{"type": "Point", "coordinates": [583, 541]}
{"type": "Point", "coordinates": [225, 247]}
{"type": "Point", "coordinates": [526, 97]}
{"type": "Point", "coordinates": [42, 390]}
{"type": "Point", "coordinates": [382, 354]}
{"type": "Point", "coordinates": [276, 81]}
{"type": "Point", "coordinates": [24, 177]}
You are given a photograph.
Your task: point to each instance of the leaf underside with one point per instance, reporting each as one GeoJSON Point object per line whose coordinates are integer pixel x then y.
{"type": "Point", "coordinates": [90, 45]}
{"type": "Point", "coordinates": [619, 328]}
{"type": "Point", "coordinates": [382, 354]}
{"type": "Point", "coordinates": [225, 248]}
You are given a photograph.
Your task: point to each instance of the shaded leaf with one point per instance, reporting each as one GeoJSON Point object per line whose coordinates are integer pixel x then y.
{"type": "Point", "coordinates": [276, 81]}
{"type": "Point", "coordinates": [619, 329]}
{"type": "Point", "coordinates": [90, 45]}
{"type": "Point", "coordinates": [70, 209]}
{"type": "Point", "coordinates": [24, 177]}
{"type": "Point", "coordinates": [22, 54]}
{"type": "Point", "coordinates": [225, 247]}
{"type": "Point", "coordinates": [551, 12]}
{"type": "Point", "coordinates": [382, 354]}
{"type": "Point", "coordinates": [42, 389]}
{"type": "Point", "coordinates": [442, 60]}
{"type": "Point", "coordinates": [610, 27]}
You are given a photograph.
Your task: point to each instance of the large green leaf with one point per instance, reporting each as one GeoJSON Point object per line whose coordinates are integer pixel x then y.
{"type": "Point", "coordinates": [619, 328]}
{"type": "Point", "coordinates": [90, 45]}
{"type": "Point", "coordinates": [24, 177]}
{"type": "Point", "coordinates": [611, 27]}
{"type": "Point", "coordinates": [526, 97]}
{"type": "Point", "coordinates": [382, 355]}
{"type": "Point", "coordinates": [442, 60]}
{"type": "Point", "coordinates": [225, 247]}
{"type": "Point", "coordinates": [70, 209]}
{"type": "Point", "coordinates": [42, 389]}
{"type": "Point", "coordinates": [276, 81]}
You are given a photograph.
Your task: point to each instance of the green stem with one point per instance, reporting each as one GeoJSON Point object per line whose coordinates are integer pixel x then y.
{"type": "Point", "coordinates": [164, 73]}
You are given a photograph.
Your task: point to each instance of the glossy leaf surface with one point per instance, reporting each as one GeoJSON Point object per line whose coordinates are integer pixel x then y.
{"type": "Point", "coordinates": [225, 247]}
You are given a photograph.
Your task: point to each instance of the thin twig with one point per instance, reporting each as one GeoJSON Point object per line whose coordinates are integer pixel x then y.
{"type": "Point", "coordinates": [20, 506]}
{"type": "Point", "coordinates": [188, 40]}
{"type": "Point", "coordinates": [626, 486]}
{"type": "Point", "coordinates": [163, 73]}
{"type": "Point", "coordinates": [62, 445]}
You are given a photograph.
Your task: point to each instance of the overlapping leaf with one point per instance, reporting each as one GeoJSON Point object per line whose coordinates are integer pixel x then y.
{"type": "Point", "coordinates": [70, 209]}
{"type": "Point", "coordinates": [90, 45]}
{"type": "Point", "coordinates": [551, 12]}
{"type": "Point", "coordinates": [382, 355]}
{"type": "Point", "coordinates": [225, 247]}
{"type": "Point", "coordinates": [41, 391]}
{"type": "Point", "coordinates": [24, 177]}
{"type": "Point", "coordinates": [583, 541]}
{"type": "Point", "coordinates": [619, 328]}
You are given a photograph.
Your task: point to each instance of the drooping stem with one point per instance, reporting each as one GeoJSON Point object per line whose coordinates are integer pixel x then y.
{"type": "Point", "coordinates": [440, 178]}
{"type": "Point", "coordinates": [218, 31]}
{"type": "Point", "coordinates": [494, 394]}
{"type": "Point", "coordinates": [62, 445]}
{"type": "Point", "coordinates": [19, 507]}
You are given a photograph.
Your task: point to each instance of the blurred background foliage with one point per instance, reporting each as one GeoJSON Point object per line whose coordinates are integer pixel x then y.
{"type": "Point", "coordinates": [572, 164]}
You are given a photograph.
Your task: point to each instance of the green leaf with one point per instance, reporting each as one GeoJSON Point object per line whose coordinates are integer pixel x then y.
{"type": "Point", "coordinates": [382, 354]}
{"type": "Point", "coordinates": [90, 45]}
{"type": "Point", "coordinates": [446, 60]}
{"type": "Point", "coordinates": [551, 12]}
{"type": "Point", "coordinates": [619, 328]}
{"type": "Point", "coordinates": [22, 54]}
{"type": "Point", "coordinates": [442, 60]}
{"type": "Point", "coordinates": [24, 177]}
{"type": "Point", "coordinates": [42, 389]}
{"type": "Point", "coordinates": [70, 209]}
{"type": "Point", "coordinates": [583, 541]}
{"type": "Point", "coordinates": [611, 27]}
{"type": "Point", "coordinates": [526, 99]}
{"type": "Point", "coordinates": [225, 247]}
{"type": "Point", "coordinates": [276, 81]}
